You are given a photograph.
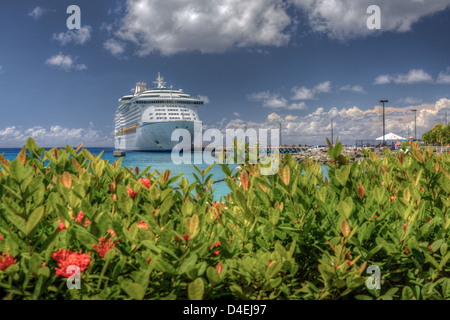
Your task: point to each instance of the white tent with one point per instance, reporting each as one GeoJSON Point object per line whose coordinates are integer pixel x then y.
{"type": "Point", "coordinates": [391, 136]}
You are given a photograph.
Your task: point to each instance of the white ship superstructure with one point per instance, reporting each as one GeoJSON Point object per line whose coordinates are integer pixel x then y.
{"type": "Point", "coordinates": [145, 119]}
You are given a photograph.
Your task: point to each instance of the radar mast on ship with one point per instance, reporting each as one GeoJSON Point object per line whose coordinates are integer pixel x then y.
{"type": "Point", "coordinates": [159, 81]}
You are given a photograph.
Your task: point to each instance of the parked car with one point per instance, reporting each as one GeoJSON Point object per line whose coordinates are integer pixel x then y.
{"type": "Point", "coordinates": [319, 148]}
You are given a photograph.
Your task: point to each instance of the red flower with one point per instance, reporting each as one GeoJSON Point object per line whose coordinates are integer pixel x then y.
{"type": "Point", "coordinates": [68, 258]}
{"type": "Point", "coordinates": [393, 198]}
{"type": "Point", "coordinates": [6, 260]}
{"type": "Point", "coordinates": [104, 245]}
{"type": "Point", "coordinates": [404, 227]}
{"type": "Point", "coordinates": [186, 237]}
{"type": "Point", "coordinates": [148, 260]}
{"type": "Point", "coordinates": [176, 239]}
{"type": "Point", "coordinates": [216, 245]}
{"type": "Point", "coordinates": [111, 231]}
{"type": "Point", "coordinates": [429, 247]}
{"type": "Point", "coordinates": [406, 250]}
{"type": "Point", "coordinates": [421, 188]}
{"type": "Point", "coordinates": [131, 193]}
{"type": "Point", "coordinates": [427, 219]}
{"type": "Point", "coordinates": [1, 237]}
{"type": "Point", "coordinates": [348, 255]}
{"type": "Point", "coordinates": [61, 226]}
{"type": "Point", "coordinates": [146, 182]}
{"type": "Point", "coordinates": [375, 216]}
{"type": "Point", "coordinates": [142, 225]}
{"type": "Point", "coordinates": [79, 217]}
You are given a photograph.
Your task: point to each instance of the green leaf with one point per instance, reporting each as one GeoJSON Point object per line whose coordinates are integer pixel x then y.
{"type": "Point", "coordinates": [379, 193]}
{"type": "Point", "coordinates": [34, 219]}
{"type": "Point", "coordinates": [446, 288]}
{"type": "Point", "coordinates": [189, 262]}
{"type": "Point", "coordinates": [213, 276]}
{"type": "Point", "coordinates": [437, 244]}
{"type": "Point", "coordinates": [407, 293]}
{"type": "Point", "coordinates": [17, 171]}
{"type": "Point", "coordinates": [187, 209]}
{"type": "Point", "coordinates": [135, 290]}
{"type": "Point", "coordinates": [196, 289]}
{"type": "Point", "coordinates": [431, 260]}
{"type": "Point", "coordinates": [342, 174]}
{"type": "Point", "coordinates": [273, 269]}
{"type": "Point", "coordinates": [85, 237]}
{"type": "Point", "coordinates": [345, 208]}
{"type": "Point", "coordinates": [281, 250]}
{"type": "Point", "coordinates": [17, 221]}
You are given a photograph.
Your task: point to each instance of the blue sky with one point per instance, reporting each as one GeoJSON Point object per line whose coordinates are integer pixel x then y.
{"type": "Point", "coordinates": [256, 62]}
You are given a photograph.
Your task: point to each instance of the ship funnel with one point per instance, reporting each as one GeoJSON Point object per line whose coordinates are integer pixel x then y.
{"type": "Point", "coordinates": [140, 86]}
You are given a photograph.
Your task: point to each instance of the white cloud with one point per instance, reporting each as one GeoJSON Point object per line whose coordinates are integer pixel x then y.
{"type": "Point", "coordinates": [236, 114]}
{"type": "Point", "coordinates": [444, 77]}
{"type": "Point", "coordinates": [173, 26]}
{"type": "Point", "coordinates": [349, 124]}
{"type": "Point", "coordinates": [117, 48]}
{"type": "Point", "coordinates": [204, 98]}
{"type": "Point", "coordinates": [269, 100]}
{"type": "Point", "coordinates": [55, 136]}
{"type": "Point", "coordinates": [383, 79]}
{"type": "Point", "coordinates": [275, 101]}
{"type": "Point", "coordinates": [412, 77]}
{"type": "Point", "coordinates": [298, 106]}
{"type": "Point", "coordinates": [354, 88]}
{"type": "Point", "coordinates": [1, 70]}
{"type": "Point", "coordinates": [38, 12]}
{"type": "Point", "coordinates": [77, 36]}
{"type": "Point", "coordinates": [64, 62]}
{"type": "Point", "coordinates": [410, 101]}
{"type": "Point", "coordinates": [347, 19]}
{"type": "Point", "coordinates": [304, 93]}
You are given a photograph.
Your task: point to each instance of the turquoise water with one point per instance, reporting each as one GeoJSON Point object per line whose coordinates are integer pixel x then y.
{"type": "Point", "coordinates": [159, 161]}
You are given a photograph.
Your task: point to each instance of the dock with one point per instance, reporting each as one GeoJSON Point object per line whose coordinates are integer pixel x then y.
{"type": "Point", "coordinates": [119, 153]}
{"type": "Point", "coordinates": [281, 149]}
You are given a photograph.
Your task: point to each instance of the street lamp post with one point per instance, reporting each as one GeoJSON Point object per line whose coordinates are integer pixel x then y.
{"type": "Point", "coordinates": [280, 136]}
{"type": "Point", "coordinates": [332, 143]}
{"type": "Point", "coordinates": [383, 102]}
{"type": "Point", "coordinates": [415, 123]}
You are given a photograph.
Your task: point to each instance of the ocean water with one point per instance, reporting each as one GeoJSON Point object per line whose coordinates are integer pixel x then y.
{"type": "Point", "coordinates": [159, 161]}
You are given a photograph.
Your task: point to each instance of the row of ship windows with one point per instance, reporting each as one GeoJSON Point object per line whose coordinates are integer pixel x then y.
{"type": "Point", "coordinates": [168, 101]}
{"type": "Point", "coordinates": [171, 114]}
{"type": "Point", "coordinates": [171, 118]}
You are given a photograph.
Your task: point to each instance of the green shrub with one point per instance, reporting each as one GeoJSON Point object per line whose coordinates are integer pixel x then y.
{"type": "Point", "coordinates": [293, 235]}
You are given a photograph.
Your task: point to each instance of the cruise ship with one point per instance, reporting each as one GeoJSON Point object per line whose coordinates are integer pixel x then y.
{"type": "Point", "coordinates": [145, 120]}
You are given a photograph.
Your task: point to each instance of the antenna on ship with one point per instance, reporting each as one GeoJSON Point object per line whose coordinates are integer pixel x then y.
{"type": "Point", "coordinates": [159, 81]}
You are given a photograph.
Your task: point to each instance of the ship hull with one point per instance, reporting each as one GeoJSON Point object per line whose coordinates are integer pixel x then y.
{"type": "Point", "coordinates": [155, 136]}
